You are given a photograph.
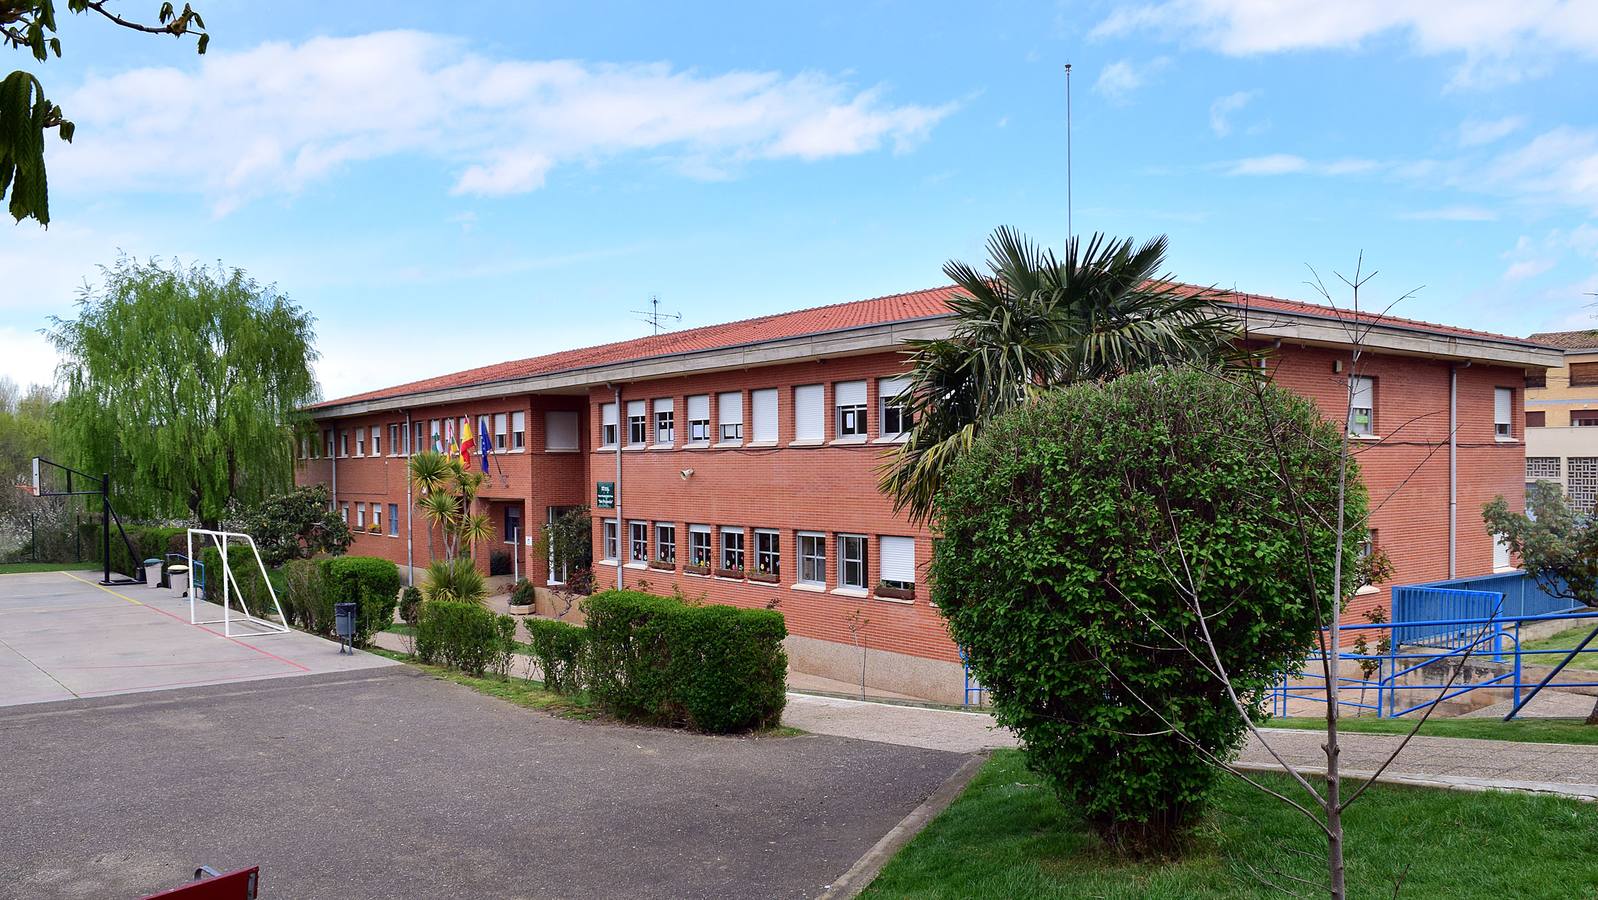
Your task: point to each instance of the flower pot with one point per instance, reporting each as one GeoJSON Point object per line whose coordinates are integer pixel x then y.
{"type": "Point", "coordinates": [764, 577]}
{"type": "Point", "coordinates": [894, 593]}
{"type": "Point", "coordinates": [520, 610]}
{"type": "Point", "coordinates": [730, 573]}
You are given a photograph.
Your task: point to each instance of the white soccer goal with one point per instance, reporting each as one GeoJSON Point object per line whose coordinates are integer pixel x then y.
{"type": "Point", "coordinates": [222, 589]}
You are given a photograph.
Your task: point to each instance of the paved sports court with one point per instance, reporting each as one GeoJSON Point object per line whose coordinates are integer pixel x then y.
{"type": "Point", "coordinates": [64, 636]}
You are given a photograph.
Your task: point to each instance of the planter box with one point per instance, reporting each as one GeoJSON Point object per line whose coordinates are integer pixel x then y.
{"type": "Point", "coordinates": [520, 610]}
{"type": "Point", "coordinates": [894, 593]}
{"type": "Point", "coordinates": [659, 566]}
{"type": "Point", "coordinates": [730, 573]}
{"type": "Point", "coordinates": [764, 577]}
{"type": "Point", "coordinates": [696, 570]}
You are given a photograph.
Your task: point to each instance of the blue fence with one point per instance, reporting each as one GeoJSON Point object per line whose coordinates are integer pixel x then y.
{"type": "Point", "coordinates": [1507, 595]}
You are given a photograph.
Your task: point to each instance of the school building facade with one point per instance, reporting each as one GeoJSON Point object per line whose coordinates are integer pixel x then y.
{"type": "Point", "coordinates": [739, 462]}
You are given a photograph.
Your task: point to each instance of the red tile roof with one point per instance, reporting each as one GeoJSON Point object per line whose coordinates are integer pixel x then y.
{"type": "Point", "coordinates": [923, 304]}
{"type": "Point", "coordinates": [1586, 339]}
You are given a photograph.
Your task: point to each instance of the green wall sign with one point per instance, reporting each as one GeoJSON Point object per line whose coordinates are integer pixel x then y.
{"type": "Point", "coordinates": [606, 496]}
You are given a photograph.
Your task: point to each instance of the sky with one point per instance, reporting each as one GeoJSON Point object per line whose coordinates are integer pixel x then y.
{"type": "Point", "coordinates": [445, 186]}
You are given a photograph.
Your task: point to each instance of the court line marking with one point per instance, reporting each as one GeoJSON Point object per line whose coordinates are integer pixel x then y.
{"type": "Point", "coordinates": [46, 674]}
{"type": "Point", "coordinates": [176, 618]}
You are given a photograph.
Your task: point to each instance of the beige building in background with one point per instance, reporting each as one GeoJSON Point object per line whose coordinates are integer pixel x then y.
{"type": "Point", "coordinates": [1562, 418]}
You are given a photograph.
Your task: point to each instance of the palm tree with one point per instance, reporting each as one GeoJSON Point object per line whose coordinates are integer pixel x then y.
{"type": "Point", "coordinates": [440, 508]}
{"type": "Point", "coordinates": [429, 472]}
{"type": "Point", "coordinates": [1035, 322]}
{"type": "Point", "coordinates": [474, 529]}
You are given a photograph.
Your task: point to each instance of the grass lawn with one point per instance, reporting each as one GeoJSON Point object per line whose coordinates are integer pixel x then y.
{"type": "Point", "coordinates": [1007, 836]}
{"type": "Point", "coordinates": [25, 568]}
{"type": "Point", "coordinates": [520, 691]}
{"type": "Point", "coordinates": [1533, 731]}
{"type": "Point", "coordinates": [1565, 640]}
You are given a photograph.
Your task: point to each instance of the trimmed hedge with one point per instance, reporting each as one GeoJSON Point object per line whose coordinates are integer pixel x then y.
{"type": "Point", "coordinates": [371, 582]}
{"type": "Point", "coordinates": [464, 636]}
{"type": "Point", "coordinates": [560, 648]}
{"type": "Point", "coordinates": [661, 661]}
{"type": "Point", "coordinates": [149, 542]}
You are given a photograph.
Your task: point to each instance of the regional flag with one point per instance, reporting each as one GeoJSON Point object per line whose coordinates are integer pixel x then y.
{"type": "Point", "coordinates": [466, 442]}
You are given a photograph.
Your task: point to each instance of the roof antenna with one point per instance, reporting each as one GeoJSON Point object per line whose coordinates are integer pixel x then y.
{"type": "Point", "coordinates": [1070, 228]}
{"type": "Point", "coordinates": [653, 316]}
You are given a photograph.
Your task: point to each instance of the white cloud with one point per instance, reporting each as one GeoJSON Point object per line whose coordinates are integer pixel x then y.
{"type": "Point", "coordinates": [1119, 80]}
{"type": "Point", "coordinates": [1450, 214]}
{"type": "Point", "coordinates": [1506, 40]}
{"type": "Point", "coordinates": [1475, 132]}
{"type": "Point", "coordinates": [1527, 268]}
{"type": "Point", "coordinates": [1291, 164]}
{"type": "Point", "coordinates": [282, 117]}
{"type": "Point", "coordinates": [1557, 167]}
{"type": "Point", "coordinates": [1222, 110]}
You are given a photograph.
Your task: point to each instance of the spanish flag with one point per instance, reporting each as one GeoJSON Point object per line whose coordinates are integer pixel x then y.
{"type": "Point", "coordinates": [466, 442]}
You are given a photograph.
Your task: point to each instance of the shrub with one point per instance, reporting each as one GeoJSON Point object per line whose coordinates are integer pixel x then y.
{"type": "Point", "coordinates": [464, 636]}
{"type": "Point", "coordinates": [297, 525]}
{"type": "Point", "coordinates": [149, 542]}
{"type": "Point", "coordinates": [304, 598]}
{"type": "Point", "coordinates": [1056, 567]}
{"type": "Point", "coordinates": [499, 563]}
{"type": "Point", "coordinates": [410, 606]}
{"type": "Point", "coordinates": [523, 594]}
{"type": "Point", "coordinates": [246, 579]}
{"type": "Point", "coordinates": [658, 660]}
{"type": "Point", "coordinates": [559, 648]}
{"type": "Point", "coordinates": [371, 582]}
{"type": "Point", "coordinates": [454, 579]}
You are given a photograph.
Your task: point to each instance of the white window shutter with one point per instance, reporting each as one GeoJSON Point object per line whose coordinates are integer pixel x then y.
{"type": "Point", "coordinates": [635, 409]}
{"type": "Point", "coordinates": [764, 403]}
{"type": "Point", "coordinates": [699, 407]}
{"type": "Point", "coordinates": [607, 414]}
{"type": "Point", "coordinates": [851, 393]}
{"type": "Point", "coordinates": [664, 405]}
{"type": "Point", "coordinates": [1363, 392]}
{"type": "Point", "coordinates": [897, 558]}
{"type": "Point", "coordinates": [1503, 403]}
{"type": "Point", "coordinates": [560, 430]}
{"type": "Point", "coordinates": [809, 412]}
{"type": "Point", "coordinates": [888, 388]}
{"type": "Point", "coordinates": [730, 408]}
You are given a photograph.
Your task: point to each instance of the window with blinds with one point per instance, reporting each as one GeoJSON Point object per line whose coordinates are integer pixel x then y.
{"type": "Point", "coordinates": [763, 415]}
{"type": "Point", "coordinates": [1503, 411]}
{"type": "Point", "coordinates": [637, 423]}
{"type": "Point", "coordinates": [1583, 374]}
{"type": "Point", "coordinates": [897, 559]}
{"type": "Point", "coordinates": [730, 416]}
{"type": "Point", "coordinates": [1362, 406]}
{"type": "Point", "coordinates": [893, 418]}
{"type": "Point", "coordinates": [809, 413]}
{"type": "Point", "coordinates": [699, 418]}
{"type": "Point", "coordinates": [560, 430]}
{"type": "Point", "coordinates": [607, 425]}
{"type": "Point", "coordinates": [850, 398]}
{"type": "Point", "coordinates": [665, 421]}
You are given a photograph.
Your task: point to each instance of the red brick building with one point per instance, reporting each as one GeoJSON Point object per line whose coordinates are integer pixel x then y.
{"type": "Point", "coordinates": [752, 448]}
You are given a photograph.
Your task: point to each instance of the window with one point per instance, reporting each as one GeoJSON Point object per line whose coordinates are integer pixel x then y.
{"type": "Point", "coordinates": [360, 516]}
{"type": "Point", "coordinates": [1503, 412]}
{"type": "Point", "coordinates": [327, 442]}
{"type": "Point", "coordinates": [1500, 555]}
{"type": "Point", "coordinates": [377, 440]}
{"type": "Point", "coordinates": [852, 561]}
{"type": "Point", "coordinates": [393, 520]}
{"type": "Point", "coordinates": [513, 524]}
{"type": "Point", "coordinates": [812, 558]}
{"type": "Point", "coordinates": [666, 542]}
{"type": "Point", "coordinates": [360, 442]}
{"type": "Point", "coordinates": [557, 574]}
{"type": "Point", "coordinates": [768, 552]}
{"type": "Point", "coordinates": [344, 513]}
{"type": "Point", "coordinates": [1540, 380]}
{"type": "Point", "coordinates": [809, 413]}
{"type": "Point", "coordinates": [1367, 548]}
{"type": "Point", "coordinates": [607, 425]}
{"type": "Point", "coordinates": [699, 545]}
{"type": "Point", "coordinates": [894, 419]}
{"type": "Point", "coordinates": [377, 517]}
{"type": "Point", "coordinates": [501, 432]}
{"type": "Point", "coordinates": [560, 430]}
{"type": "Point", "coordinates": [1583, 374]}
{"type": "Point", "coordinates": [612, 548]}
{"type": "Point", "coordinates": [305, 447]}
{"type": "Point", "coordinates": [763, 413]}
{"type": "Point", "coordinates": [1536, 419]}
{"type": "Point", "coordinates": [897, 559]}
{"type": "Point", "coordinates": [419, 437]}
{"type": "Point", "coordinates": [343, 443]}
{"type": "Point", "coordinates": [730, 416]}
{"type": "Point", "coordinates": [1583, 418]}
{"type": "Point", "coordinates": [435, 438]}
{"type": "Point", "coordinates": [732, 549]}
{"type": "Point", "coordinates": [518, 431]}
{"type": "Point", "coordinates": [637, 423]}
{"type": "Point", "coordinates": [699, 419]}
{"type": "Point", "coordinates": [850, 397]}
{"type": "Point", "coordinates": [1362, 406]}
{"type": "Point", "coordinates": [394, 439]}
{"type": "Point", "coordinates": [638, 542]}
{"type": "Point", "coordinates": [665, 422]}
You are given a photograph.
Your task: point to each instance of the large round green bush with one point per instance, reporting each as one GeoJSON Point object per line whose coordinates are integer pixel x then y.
{"type": "Point", "coordinates": [1059, 575]}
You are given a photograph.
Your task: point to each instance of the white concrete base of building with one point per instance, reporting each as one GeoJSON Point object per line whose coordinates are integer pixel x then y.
{"type": "Point", "coordinates": [899, 674]}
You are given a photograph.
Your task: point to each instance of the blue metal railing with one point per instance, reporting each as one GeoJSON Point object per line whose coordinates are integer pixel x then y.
{"type": "Point", "coordinates": [1377, 683]}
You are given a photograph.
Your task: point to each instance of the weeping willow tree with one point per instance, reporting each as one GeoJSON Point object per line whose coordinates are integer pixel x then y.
{"type": "Point", "coordinates": [185, 383]}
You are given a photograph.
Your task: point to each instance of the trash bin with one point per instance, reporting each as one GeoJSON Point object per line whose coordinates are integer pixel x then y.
{"type": "Point", "coordinates": [152, 573]}
{"type": "Point", "coordinates": [344, 625]}
{"type": "Point", "coordinates": [178, 577]}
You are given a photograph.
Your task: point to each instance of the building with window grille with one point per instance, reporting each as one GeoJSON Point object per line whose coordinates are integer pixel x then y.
{"type": "Point", "coordinates": [739, 462]}
{"type": "Point", "coordinates": [1561, 407]}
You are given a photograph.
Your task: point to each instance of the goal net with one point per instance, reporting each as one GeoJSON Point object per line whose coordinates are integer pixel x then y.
{"type": "Point", "coordinates": [217, 597]}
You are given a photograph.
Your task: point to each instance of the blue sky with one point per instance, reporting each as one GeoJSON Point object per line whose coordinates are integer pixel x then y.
{"type": "Point", "coordinates": [445, 191]}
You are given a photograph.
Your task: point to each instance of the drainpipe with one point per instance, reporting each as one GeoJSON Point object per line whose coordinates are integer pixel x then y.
{"type": "Point", "coordinates": [619, 565]}
{"type": "Point", "coordinates": [1453, 467]}
{"type": "Point", "coordinates": [410, 564]}
{"type": "Point", "coordinates": [334, 458]}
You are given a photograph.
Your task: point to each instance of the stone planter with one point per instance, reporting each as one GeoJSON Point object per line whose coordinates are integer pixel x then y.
{"type": "Point", "coordinates": [764, 577]}
{"type": "Point", "coordinates": [520, 610]}
{"type": "Point", "coordinates": [893, 593]}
